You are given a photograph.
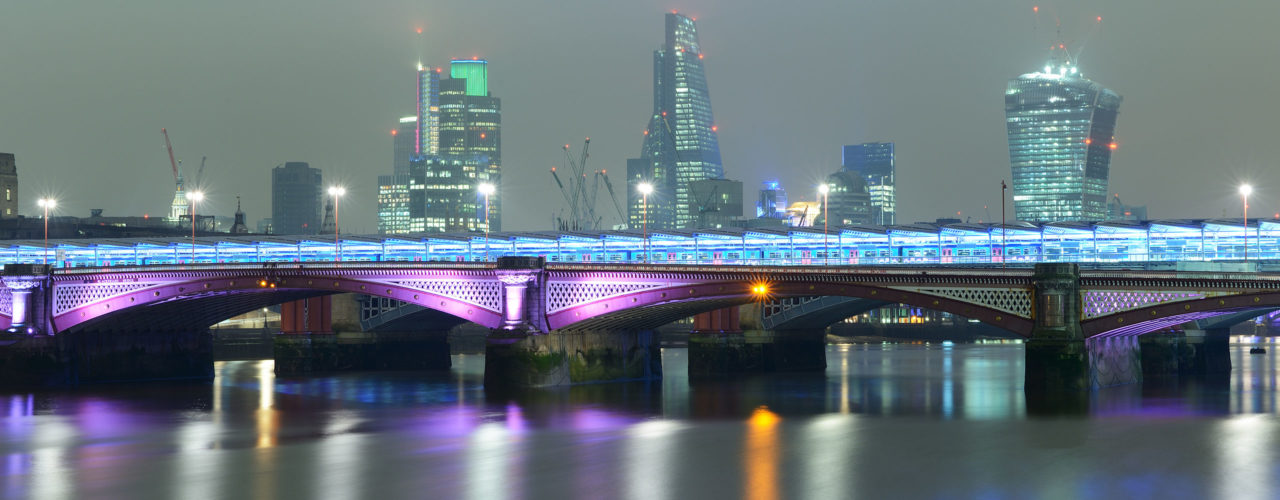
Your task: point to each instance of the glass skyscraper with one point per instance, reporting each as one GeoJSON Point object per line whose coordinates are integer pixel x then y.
{"type": "Point", "coordinates": [458, 147]}
{"type": "Point", "coordinates": [873, 161]}
{"type": "Point", "coordinates": [1061, 131]}
{"type": "Point", "coordinates": [680, 144]}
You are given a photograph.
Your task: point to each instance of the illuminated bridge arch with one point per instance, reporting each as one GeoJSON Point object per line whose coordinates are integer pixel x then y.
{"type": "Point", "coordinates": [207, 296]}
{"type": "Point", "coordinates": [617, 299]}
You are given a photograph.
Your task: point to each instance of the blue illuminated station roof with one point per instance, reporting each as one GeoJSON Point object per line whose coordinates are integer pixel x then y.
{"type": "Point", "coordinates": [1180, 239]}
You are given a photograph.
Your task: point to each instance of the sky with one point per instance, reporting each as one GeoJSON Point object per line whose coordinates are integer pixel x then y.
{"type": "Point", "coordinates": [85, 87]}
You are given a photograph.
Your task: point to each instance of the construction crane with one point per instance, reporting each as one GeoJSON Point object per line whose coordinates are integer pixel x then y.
{"type": "Point", "coordinates": [580, 193]}
{"type": "Point", "coordinates": [177, 178]}
{"type": "Point", "coordinates": [622, 216]}
{"type": "Point", "coordinates": [200, 172]}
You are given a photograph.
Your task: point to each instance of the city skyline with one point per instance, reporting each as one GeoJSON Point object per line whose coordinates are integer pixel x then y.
{"type": "Point", "coordinates": [246, 125]}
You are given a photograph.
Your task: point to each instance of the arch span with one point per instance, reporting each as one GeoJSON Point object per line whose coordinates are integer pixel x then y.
{"type": "Point", "coordinates": [1158, 317]}
{"type": "Point", "coordinates": [471, 295]}
{"type": "Point", "coordinates": [646, 307]}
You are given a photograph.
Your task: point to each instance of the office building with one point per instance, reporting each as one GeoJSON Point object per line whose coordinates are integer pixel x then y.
{"type": "Point", "coordinates": [1061, 130]}
{"type": "Point", "coordinates": [848, 200]}
{"type": "Point", "coordinates": [772, 203]}
{"type": "Point", "coordinates": [403, 144]}
{"type": "Point", "coordinates": [680, 144]}
{"type": "Point", "coordinates": [715, 203]}
{"type": "Point", "coordinates": [295, 198]}
{"type": "Point", "coordinates": [9, 183]}
{"type": "Point", "coordinates": [873, 161]}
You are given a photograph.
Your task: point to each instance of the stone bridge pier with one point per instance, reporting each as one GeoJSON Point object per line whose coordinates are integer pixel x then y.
{"type": "Point", "coordinates": [1058, 356]}
{"type": "Point", "coordinates": [734, 341]}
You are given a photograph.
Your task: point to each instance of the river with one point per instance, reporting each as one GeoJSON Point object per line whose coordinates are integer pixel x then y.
{"type": "Point", "coordinates": [884, 421]}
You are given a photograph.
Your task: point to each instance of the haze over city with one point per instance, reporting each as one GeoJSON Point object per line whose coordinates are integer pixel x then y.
{"type": "Point", "coordinates": [253, 86]}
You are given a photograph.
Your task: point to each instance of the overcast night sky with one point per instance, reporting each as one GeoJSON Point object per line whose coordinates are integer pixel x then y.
{"type": "Point", "coordinates": [86, 86]}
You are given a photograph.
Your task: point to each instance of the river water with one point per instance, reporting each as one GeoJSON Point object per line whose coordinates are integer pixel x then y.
{"type": "Point", "coordinates": [884, 421]}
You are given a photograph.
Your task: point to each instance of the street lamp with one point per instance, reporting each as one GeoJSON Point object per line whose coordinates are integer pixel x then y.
{"type": "Point", "coordinates": [46, 204]}
{"type": "Point", "coordinates": [645, 188]}
{"type": "Point", "coordinates": [486, 189]}
{"type": "Point", "coordinates": [194, 197]}
{"type": "Point", "coordinates": [336, 192]}
{"type": "Point", "coordinates": [1245, 191]}
{"type": "Point", "coordinates": [823, 189]}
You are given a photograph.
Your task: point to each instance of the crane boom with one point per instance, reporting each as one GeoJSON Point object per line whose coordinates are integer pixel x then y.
{"type": "Point", "coordinates": [200, 173]}
{"type": "Point", "coordinates": [172, 162]}
{"type": "Point", "coordinates": [609, 185]}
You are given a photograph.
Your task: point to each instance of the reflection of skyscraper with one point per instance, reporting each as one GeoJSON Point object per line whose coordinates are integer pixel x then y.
{"type": "Point", "coordinates": [680, 144]}
{"type": "Point", "coordinates": [1061, 133]}
{"type": "Point", "coordinates": [874, 162]}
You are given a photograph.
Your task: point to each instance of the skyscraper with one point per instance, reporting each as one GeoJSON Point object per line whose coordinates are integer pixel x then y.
{"type": "Point", "coordinates": [1061, 131]}
{"type": "Point", "coordinates": [680, 144]}
{"type": "Point", "coordinates": [404, 144]}
{"type": "Point", "coordinates": [295, 198]}
{"type": "Point", "coordinates": [873, 161]}
{"type": "Point", "coordinates": [458, 147]}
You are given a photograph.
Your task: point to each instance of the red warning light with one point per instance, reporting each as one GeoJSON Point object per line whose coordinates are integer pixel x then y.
{"type": "Point", "coordinates": [1036, 9]}
{"type": "Point", "coordinates": [482, 135]}
{"type": "Point", "coordinates": [715, 128]}
{"type": "Point", "coordinates": [393, 132]}
{"type": "Point", "coordinates": [438, 70]}
{"type": "Point", "coordinates": [419, 31]}
{"type": "Point", "coordinates": [699, 56]}
{"type": "Point", "coordinates": [1088, 141]}
{"type": "Point", "coordinates": [646, 132]}
{"type": "Point", "coordinates": [1061, 46]}
{"type": "Point", "coordinates": [1113, 146]}
{"type": "Point", "coordinates": [664, 114]}
{"type": "Point", "coordinates": [1099, 18]}
{"type": "Point", "coordinates": [553, 169]}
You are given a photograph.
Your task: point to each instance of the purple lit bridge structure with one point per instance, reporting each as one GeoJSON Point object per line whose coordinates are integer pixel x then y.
{"type": "Point", "coordinates": [554, 324]}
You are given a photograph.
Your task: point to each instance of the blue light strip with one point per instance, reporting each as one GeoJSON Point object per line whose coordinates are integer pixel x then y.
{"type": "Point", "coordinates": [1108, 242]}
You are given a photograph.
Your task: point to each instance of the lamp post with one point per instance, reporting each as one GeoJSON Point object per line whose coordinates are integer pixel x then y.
{"type": "Point", "coordinates": [1245, 191]}
{"type": "Point", "coordinates": [194, 197]}
{"type": "Point", "coordinates": [824, 189]}
{"type": "Point", "coordinates": [645, 188]}
{"type": "Point", "coordinates": [336, 192]}
{"type": "Point", "coordinates": [46, 204]}
{"type": "Point", "coordinates": [486, 189]}
{"type": "Point", "coordinates": [1003, 233]}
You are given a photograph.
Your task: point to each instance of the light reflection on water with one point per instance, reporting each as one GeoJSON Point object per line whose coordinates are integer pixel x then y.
{"type": "Point", "coordinates": [879, 419]}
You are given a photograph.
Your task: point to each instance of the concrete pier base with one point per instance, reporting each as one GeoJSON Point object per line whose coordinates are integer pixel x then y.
{"type": "Point", "coordinates": [316, 353]}
{"type": "Point", "coordinates": [1055, 365]}
{"type": "Point", "coordinates": [573, 357]}
{"type": "Point", "coordinates": [755, 351]}
{"type": "Point", "coordinates": [95, 356]}
{"type": "Point", "coordinates": [1209, 351]}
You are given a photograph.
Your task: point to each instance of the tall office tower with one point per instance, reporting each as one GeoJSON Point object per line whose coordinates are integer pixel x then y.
{"type": "Point", "coordinates": [428, 134]}
{"type": "Point", "coordinates": [1061, 134]}
{"type": "Point", "coordinates": [403, 144]}
{"type": "Point", "coordinates": [295, 199]}
{"type": "Point", "coordinates": [874, 162]}
{"type": "Point", "coordinates": [680, 143]}
{"type": "Point", "coordinates": [470, 148]}
{"type": "Point", "coordinates": [848, 202]}
{"type": "Point", "coordinates": [9, 183]}
{"type": "Point", "coordinates": [393, 204]}
{"type": "Point", "coordinates": [443, 196]}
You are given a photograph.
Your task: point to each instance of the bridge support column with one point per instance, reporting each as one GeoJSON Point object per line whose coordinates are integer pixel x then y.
{"type": "Point", "coordinates": [1210, 351]}
{"type": "Point", "coordinates": [1058, 358]}
{"type": "Point", "coordinates": [339, 345]}
{"type": "Point", "coordinates": [27, 284]}
{"type": "Point", "coordinates": [519, 277]}
{"type": "Point", "coordinates": [716, 354]}
{"type": "Point", "coordinates": [1165, 354]}
{"type": "Point", "coordinates": [562, 358]}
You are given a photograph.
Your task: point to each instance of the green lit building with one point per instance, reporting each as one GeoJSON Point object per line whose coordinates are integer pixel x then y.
{"type": "Point", "coordinates": [1061, 131]}
{"type": "Point", "coordinates": [680, 144]}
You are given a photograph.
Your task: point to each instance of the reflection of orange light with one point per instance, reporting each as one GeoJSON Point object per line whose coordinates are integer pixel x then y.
{"type": "Point", "coordinates": [761, 455]}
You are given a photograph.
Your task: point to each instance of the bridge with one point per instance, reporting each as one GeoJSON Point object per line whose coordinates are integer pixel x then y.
{"type": "Point", "coordinates": [559, 323]}
{"type": "Point", "coordinates": [1120, 243]}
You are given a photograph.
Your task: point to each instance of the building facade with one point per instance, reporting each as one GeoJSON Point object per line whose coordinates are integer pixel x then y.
{"type": "Point", "coordinates": [428, 88]}
{"type": "Point", "coordinates": [296, 191]}
{"type": "Point", "coordinates": [1061, 129]}
{"type": "Point", "coordinates": [404, 144]}
{"type": "Point", "coordinates": [680, 144]}
{"type": "Point", "coordinates": [848, 201]}
{"type": "Point", "coordinates": [715, 203]}
{"type": "Point", "coordinates": [874, 162]}
{"type": "Point", "coordinates": [9, 184]}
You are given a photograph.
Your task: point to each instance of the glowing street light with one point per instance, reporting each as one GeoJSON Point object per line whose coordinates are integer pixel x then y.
{"type": "Point", "coordinates": [1245, 191]}
{"type": "Point", "coordinates": [194, 197]}
{"type": "Point", "coordinates": [336, 192]}
{"type": "Point", "coordinates": [823, 189]}
{"type": "Point", "coordinates": [46, 204]}
{"type": "Point", "coordinates": [486, 189]}
{"type": "Point", "coordinates": [645, 188]}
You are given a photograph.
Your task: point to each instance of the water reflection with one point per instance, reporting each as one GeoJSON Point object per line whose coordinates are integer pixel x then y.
{"type": "Point", "coordinates": [879, 418]}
